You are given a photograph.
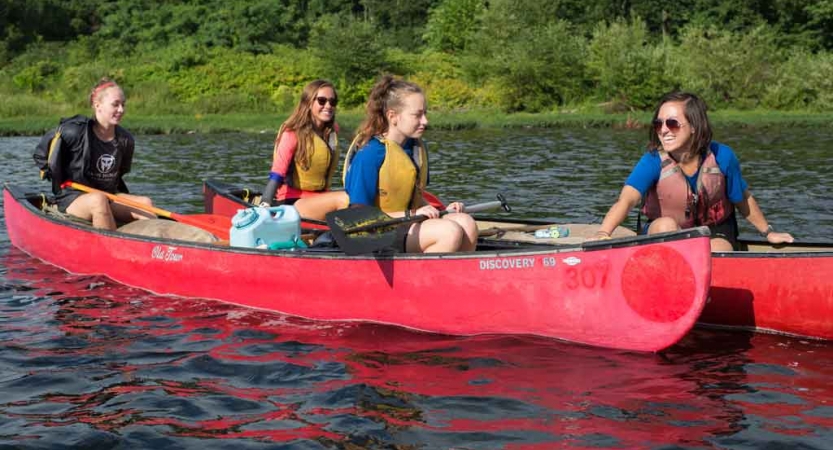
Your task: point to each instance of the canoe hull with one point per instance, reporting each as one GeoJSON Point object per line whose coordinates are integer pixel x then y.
{"type": "Point", "coordinates": [594, 295]}
{"type": "Point", "coordinates": [785, 291]}
{"type": "Point", "coordinates": [782, 292]}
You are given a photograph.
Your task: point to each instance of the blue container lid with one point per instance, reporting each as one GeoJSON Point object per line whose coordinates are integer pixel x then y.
{"type": "Point", "coordinates": [246, 217]}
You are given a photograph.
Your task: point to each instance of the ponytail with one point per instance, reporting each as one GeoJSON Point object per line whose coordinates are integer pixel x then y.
{"type": "Point", "coordinates": [387, 94]}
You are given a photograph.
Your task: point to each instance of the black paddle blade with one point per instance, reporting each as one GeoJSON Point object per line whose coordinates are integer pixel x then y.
{"type": "Point", "coordinates": [370, 238]}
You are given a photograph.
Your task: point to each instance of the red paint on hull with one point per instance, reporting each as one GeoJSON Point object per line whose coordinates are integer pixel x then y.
{"type": "Point", "coordinates": [786, 293]}
{"type": "Point", "coordinates": [781, 292]}
{"type": "Point", "coordinates": [574, 295]}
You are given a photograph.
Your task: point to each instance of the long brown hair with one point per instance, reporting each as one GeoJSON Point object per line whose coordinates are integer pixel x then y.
{"type": "Point", "coordinates": [300, 121]}
{"type": "Point", "coordinates": [695, 115]}
{"type": "Point", "coordinates": [387, 94]}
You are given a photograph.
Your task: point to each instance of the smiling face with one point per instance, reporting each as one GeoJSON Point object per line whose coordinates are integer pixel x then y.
{"type": "Point", "coordinates": [325, 113]}
{"type": "Point", "coordinates": [674, 139]}
{"type": "Point", "coordinates": [411, 119]}
{"type": "Point", "coordinates": [109, 106]}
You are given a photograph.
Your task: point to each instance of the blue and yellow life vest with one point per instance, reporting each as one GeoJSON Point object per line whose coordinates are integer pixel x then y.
{"type": "Point", "coordinates": [402, 179]}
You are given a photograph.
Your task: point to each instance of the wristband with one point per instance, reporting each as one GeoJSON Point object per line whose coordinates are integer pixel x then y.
{"type": "Point", "coordinates": [766, 232]}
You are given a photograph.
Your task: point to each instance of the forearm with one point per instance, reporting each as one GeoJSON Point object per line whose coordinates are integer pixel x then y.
{"type": "Point", "coordinates": [270, 190]}
{"type": "Point", "coordinates": [615, 216]}
{"type": "Point", "coordinates": [750, 210]}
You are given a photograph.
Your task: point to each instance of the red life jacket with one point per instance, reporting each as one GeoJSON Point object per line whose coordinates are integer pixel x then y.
{"type": "Point", "coordinates": [672, 195]}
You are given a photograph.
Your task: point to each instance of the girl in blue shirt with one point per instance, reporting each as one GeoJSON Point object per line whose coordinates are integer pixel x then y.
{"type": "Point", "coordinates": [681, 138]}
{"type": "Point", "coordinates": [390, 170]}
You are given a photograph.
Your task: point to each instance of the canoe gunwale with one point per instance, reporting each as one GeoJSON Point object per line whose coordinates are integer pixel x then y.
{"type": "Point", "coordinates": [521, 248]}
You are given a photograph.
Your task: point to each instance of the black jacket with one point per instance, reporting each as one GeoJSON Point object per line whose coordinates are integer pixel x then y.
{"type": "Point", "coordinates": [64, 153]}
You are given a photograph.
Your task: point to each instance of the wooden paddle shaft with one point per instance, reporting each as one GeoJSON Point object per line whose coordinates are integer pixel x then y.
{"type": "Point", "coordinates": [122, 200]}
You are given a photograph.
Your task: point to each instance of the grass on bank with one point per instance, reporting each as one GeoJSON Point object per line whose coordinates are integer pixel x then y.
{"type": "Point", "coordinates": [349, 120]}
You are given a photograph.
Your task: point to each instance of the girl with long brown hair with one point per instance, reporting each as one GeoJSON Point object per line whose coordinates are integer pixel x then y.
{"type": "Point", "coordinates": [306, 154]}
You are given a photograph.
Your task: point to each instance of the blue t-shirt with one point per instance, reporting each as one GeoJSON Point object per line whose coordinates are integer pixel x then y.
{"type": "Point", "coordinates": [362, 180]}
{"type": "Point", "coordinates": [647, 171]}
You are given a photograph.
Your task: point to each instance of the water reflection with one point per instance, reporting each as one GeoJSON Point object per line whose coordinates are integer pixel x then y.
{"type": "Point", "coordinates": [106, 363]}
{"type": "Point", "coordinates": [91, 364]}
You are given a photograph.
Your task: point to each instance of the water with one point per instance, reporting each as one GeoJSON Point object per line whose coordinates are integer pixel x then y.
{"type": "Point", "coordinates": [87, 363]}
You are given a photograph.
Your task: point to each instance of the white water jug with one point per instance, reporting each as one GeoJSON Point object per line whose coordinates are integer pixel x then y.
{"type": "Point", "coordinates": [262, 227]}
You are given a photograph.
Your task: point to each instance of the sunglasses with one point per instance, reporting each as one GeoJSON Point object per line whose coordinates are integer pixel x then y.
{"type": "Point", "coordinates": [672, 124]}
{"type": "Point", "coordinates": [323, 101]}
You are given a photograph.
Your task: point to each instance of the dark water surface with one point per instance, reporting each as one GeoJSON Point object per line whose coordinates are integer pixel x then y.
{"type": "Point", "coordinates": [87, 363]}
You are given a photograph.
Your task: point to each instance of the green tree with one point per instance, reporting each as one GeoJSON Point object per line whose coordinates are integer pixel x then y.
{"type": "Point", "coordinates": [534, 64]}
{"type": "Point", "coordinates": [353, 70]}
{"type": "Point", "coordinates": [452, 24]}
{"type": "Point", "coordinates": [821, 22]}
{"type": "Point", "coordinates": [625, 67]}
{"type": "Point", "coordinates": [725, 67]}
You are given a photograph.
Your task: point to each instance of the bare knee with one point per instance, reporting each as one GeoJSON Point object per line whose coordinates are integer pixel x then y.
{"type": "Point", "coordinates": [721, 245]}
{"type": "Point", "coordinates": [88, 205]}
{"type": "Point", "coordinates": [95, 207]}
{"type": "Point", "coordinates": [469, 227]}
{"type": "Point", "coordinates": [435, 236]}
{"type": "Point", "coordinates": [663, 225]}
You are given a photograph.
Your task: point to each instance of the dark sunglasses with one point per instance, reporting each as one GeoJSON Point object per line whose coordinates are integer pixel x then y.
{"type": "Point", "coordinates": [672, 124]}
{"type": "Point", "coordinates": [323, 101]}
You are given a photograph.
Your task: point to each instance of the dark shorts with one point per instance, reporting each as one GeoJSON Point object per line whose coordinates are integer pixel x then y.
{"type": "Point", "coordinates": [65, 198]}
{"type": "Point", "coordinates": [286, 201]}
{"type": "Point", "coordinates": [400, 242]}
{"type": "Point", "coordinates": [728, 229]}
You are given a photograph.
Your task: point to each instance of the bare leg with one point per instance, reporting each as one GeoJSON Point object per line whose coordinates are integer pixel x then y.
{"type": "Point", "coordinates": [663, 225]}
{"type": "Point", "coordinates": [434, 236]}
{"type": "Point", "coordinates": [125, 214]}
{"type": "Point", "coordinates": [721, 245]}
{"type": "Point", "coordinates": [94, 207]}
{"type": "Point", "coordinates": [317, 207]}
{"type": "Point", "coordinates": [469, 226]}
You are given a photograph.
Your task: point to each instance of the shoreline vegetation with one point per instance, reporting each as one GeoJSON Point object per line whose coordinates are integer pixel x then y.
{"type": "Point", "coordinates": [349, 120]}
{"type": "Point", "coordinates": [211, 66]}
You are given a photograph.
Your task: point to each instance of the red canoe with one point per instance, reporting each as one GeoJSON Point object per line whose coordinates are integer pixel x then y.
{"type": "Point", "coordinates": [604, 294]}
{"type": "Point", "coordinates": [785, 290]}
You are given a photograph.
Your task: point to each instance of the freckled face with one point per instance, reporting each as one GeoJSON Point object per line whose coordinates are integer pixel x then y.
{"type": "Point", "coordinates": [412, 119]}
{"type": "Point", "coordinates": [109, 109]}
{"type": "Point", "coordinates": [674, 139]}
{"type": "Point", "coordinates": [322, 114]}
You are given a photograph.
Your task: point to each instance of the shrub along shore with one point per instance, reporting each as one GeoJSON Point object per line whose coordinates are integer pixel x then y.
{"type": "Point", "coordinates": [349, 120]}
{"type": "Point", "coordinates": [214, 66]}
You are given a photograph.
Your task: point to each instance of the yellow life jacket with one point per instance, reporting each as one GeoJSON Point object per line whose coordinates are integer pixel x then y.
{"type": "Point", "coordinates": [402, 179]}
{"type": "Point", "coordinates": [322, 166]}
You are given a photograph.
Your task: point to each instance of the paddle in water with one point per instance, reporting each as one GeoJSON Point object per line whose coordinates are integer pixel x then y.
{"type": "Point", "coordinates": [365, 229]}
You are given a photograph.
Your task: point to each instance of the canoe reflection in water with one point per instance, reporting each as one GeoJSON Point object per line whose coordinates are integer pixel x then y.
{"type": "Point", "coordinates": [106, 365]}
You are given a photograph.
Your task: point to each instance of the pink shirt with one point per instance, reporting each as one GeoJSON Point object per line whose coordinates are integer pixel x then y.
{"type": "Point", "coordinates": [282, 158]}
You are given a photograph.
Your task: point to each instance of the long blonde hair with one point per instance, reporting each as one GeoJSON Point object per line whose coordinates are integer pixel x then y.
{"type": "Point", "coordinates": [301, 122]}
{"type": "Point", "coordinates": [387, 94]}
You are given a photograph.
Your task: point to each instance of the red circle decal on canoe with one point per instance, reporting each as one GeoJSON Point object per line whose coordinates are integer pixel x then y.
{"type": "Point", "coordinates": [658, 283]}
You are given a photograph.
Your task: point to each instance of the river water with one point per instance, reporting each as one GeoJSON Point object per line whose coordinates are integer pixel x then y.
{"type": "Point", "coordinates": [87, 363]}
